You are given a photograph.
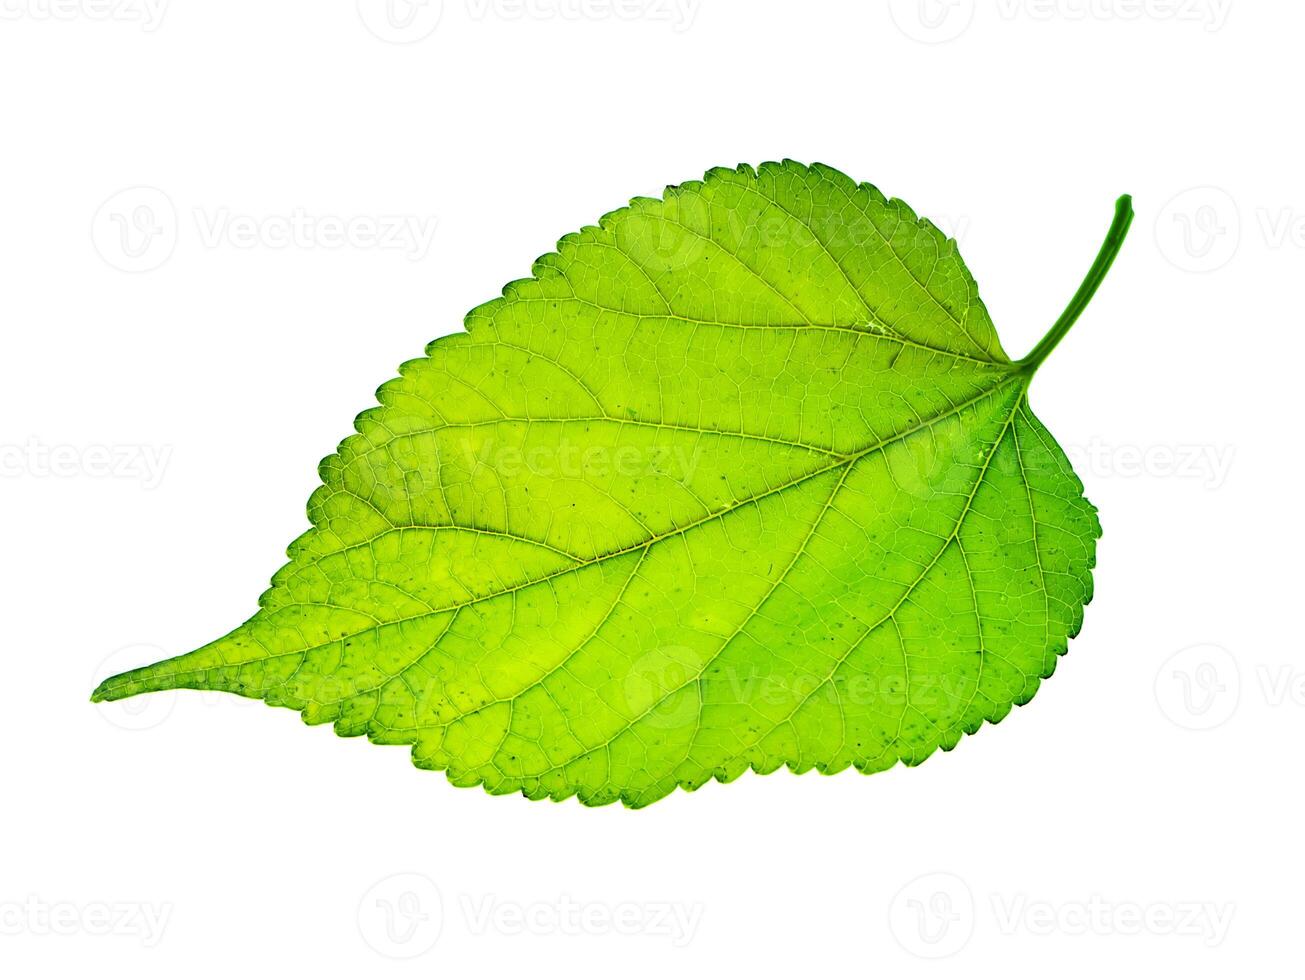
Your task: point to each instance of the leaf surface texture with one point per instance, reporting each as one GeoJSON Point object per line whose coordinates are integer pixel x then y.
{"type": "Point", "coordinates": [740, 478]}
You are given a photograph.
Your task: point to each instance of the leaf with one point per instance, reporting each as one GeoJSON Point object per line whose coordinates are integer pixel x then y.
{"type": "Point", "coordinates": [741, 478]}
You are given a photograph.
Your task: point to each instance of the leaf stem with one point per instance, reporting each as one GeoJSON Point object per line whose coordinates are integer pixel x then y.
{"type": "Point", "coordinates": [1109, 249]}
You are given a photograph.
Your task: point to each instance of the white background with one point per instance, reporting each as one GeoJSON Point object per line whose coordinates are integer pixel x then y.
{"type": "Point", "coordinates": [161, 429]}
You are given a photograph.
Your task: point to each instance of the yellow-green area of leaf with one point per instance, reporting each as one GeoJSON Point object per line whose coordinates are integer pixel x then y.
{"type": "Point", "coordinates": [739, 478]}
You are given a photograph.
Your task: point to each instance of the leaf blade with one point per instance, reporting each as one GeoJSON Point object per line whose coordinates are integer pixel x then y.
{"type": "Point", "coordinates": [835, 453]}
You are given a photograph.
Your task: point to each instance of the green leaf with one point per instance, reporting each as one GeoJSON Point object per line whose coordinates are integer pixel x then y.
{"type": "Point", "coordinates": [740, 478]}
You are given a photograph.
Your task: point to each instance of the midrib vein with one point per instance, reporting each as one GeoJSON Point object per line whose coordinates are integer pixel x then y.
{"type": "Point", "coordinates": [642, 545]}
